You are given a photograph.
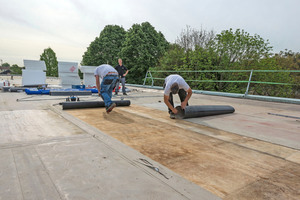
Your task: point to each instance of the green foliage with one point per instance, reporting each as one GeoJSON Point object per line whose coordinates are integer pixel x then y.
{"type": "Point", "coordinates": [228, 50]}
{"type": "Point", "coordinates": [49, 57]}
{"type": "Point", "coordinates": [234, 51]}
{"type": "Point", "coordinates": [106, 48]}
{"type": "Point", "coordinates": [172, 59]}
{"type": "Point", "coordinates": [141, 50]}
{"type": "Point", "coordinates": [270, 77]}
{"type": "Point", "coordinates": [80, 74]}
{"type": "Point", "coordinates": [15, 69]}
{"type": "Point", "coordinates": [291, 61]}
{"type": "Point", "coordinates": [239, 47]}
{"type": "Point", "coordinates": [5, 65]}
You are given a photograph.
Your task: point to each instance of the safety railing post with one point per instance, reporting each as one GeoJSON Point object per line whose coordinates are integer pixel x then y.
{"type": "Point", "coordinates": [246, 93]}
{"type": "Point", "coordinates": [145, 78]}
{"type": "Point", "coordinates": [151, 79]}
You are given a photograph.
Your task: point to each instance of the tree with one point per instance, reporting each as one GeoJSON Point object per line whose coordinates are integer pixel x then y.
{"type": "Point", "coordinates": [15, 69]}
{"type": "Point", "coordinates": [172, 59]}
{"type": "Point", "coordinates": [190, 38]}
{"type": "Point", "coordinates": [193, 52]}
{"type": "Point", "coordinates": [105, 48]}
{"type": "Point", "coordinates": [289, 60]}
{"type": "Point", "coordinates": [49, 57]}
{"type": "Point", "coordinates": [5, 65]}
{"type": "Point", "coordinates": [237, 50]}
{"type": "Point", "coordinates": [240, 47]}
{"type": "Point", "coordinates": [141, 50]}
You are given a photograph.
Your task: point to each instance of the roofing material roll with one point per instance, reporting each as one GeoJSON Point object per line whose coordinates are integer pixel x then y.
{"type": "Point", "coordinates": [90, 104]}
{"type": "Point", "coordinates": [16, 89]}
{"type": "Point", "coordinates": [202, 111]}
{"type": "Point", "coordinates": [70, 93]}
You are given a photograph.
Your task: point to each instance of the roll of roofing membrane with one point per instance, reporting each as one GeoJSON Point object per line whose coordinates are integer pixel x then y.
{"type": "Point", "coordinates": [90, 104]}
{"type": "Point", "coordinates": [69, 93]}
{"type": "Point", "coordinates": [202, 111]}
{"type": "Point", "coordinates": [16, 89]}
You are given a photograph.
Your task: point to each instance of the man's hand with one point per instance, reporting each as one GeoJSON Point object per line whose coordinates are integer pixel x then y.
{"type": "Point", "coordinates": [174, 110]}
{"type": "Point", "coordinates": [99, 94]}
{"type": "Point", "coordinates": [183, 105]}
{"type": "Point", "coordinates": [188, 96]}
{"type": "Point", "coordinates": [166, 100]}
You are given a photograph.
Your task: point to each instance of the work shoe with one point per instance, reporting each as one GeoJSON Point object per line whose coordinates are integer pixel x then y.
{"type": "Point", "coordinates": [111, 107]}
{"type": "Point", "coordinates": [116, 93]}
{"type": "Point", "coordinates": [172, 115]}
{"type": "Point", "coordinates": [125, 93]}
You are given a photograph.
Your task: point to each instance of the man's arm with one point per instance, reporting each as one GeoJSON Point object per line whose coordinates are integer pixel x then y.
{"type": "Point", "coordinates": [188, 96]}
{"type": "Point", "coordinates": [125, 73]}
{"type": "Point", "coordinates": [166, 100]}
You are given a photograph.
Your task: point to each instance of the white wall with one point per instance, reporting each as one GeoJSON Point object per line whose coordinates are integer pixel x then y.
{"type": "Point", "coordinates": [34, 74]}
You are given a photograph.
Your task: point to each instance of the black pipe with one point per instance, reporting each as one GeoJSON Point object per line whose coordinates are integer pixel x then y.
{"type": "Point", "coordinates": [90, 104]}
{"type": "Point", "coordinates": [70, 93]}
{"type": "Point", "coordinates": [17, 89]}
{"type": "Point", "coordinates": [36, 86]}
{"type": "Point", "coordinates": [202, 111]}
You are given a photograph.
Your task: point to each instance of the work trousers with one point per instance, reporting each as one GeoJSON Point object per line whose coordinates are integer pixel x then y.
{"type": "Point", "coordinates": [122, 80]}
{"type": "Point", "coordinates": [107, 85]}
{"type": "Point", "coordinates": [182, 95]}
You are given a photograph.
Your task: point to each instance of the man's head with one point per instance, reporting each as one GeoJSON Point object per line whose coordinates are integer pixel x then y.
{"type": "Point", "coordinates": [174, 88]}
{"type": "Point", "coordinates": [120, 61]}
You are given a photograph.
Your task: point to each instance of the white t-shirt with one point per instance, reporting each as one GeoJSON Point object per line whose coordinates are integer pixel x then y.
{"type": "Point", "coordinates": [175, 78]}
{"type": "Point", "coordinates": [104, 69]}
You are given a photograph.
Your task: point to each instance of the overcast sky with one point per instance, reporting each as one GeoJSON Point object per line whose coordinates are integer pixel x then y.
{"type": "Point", "coordinates": [27, 27]}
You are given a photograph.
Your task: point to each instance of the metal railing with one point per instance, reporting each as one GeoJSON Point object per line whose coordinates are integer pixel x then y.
{"type": "Point", "coordinates": [248, 81]}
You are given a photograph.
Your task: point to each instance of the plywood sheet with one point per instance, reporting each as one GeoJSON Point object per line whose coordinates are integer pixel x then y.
{"type": "Point", "coordinates": [223, 166]}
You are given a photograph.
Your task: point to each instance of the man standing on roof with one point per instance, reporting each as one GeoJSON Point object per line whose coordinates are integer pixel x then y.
{"type": "Point", "coordinates": [123, 71]}
{"type": "Point", "coordinates": [176, 84]}
{"type": "Point", "coordinates": [109, 77]}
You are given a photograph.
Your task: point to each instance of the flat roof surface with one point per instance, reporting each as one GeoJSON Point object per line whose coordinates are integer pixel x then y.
{"type": "Point", "coordinates": [50, 153]}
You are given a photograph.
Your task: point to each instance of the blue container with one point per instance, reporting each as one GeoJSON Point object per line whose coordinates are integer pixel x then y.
{"type": "Point", "coordinates": [78, 86]}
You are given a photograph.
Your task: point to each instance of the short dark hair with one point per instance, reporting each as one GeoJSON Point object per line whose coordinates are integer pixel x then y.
{"type": "Point", "coordinates": [174, 88]}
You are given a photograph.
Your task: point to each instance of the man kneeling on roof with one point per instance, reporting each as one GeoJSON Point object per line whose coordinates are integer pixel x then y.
{"type": "Point", "coordinates": [176, 84]}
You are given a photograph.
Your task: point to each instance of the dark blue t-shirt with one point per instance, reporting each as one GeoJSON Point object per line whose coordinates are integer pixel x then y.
{"type": "Point", "coordinates": [121, 70]}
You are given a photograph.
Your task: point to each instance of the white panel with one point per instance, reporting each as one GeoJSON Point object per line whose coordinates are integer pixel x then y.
{"type": "Point", "coordinates": [89, 79]}
{"type": "Point", "coordinates": [70, 80]}
{"type": "Point", "coordinates": [68, 74]}
{"type": "Point", "coordinates": [68, 67]}
{"type": "Point", "coordinates": [66, 86]}
{"type": "Point", "coordinates": [88, 75]}
{"type": "Point", "coordinates": [63, 74]}
{"type": "Point", "coordinates": [88, 69]}
{"type": "Point", "coordinates": [33, 77]}
{"type": "Point", "coordinates": [35, 65]}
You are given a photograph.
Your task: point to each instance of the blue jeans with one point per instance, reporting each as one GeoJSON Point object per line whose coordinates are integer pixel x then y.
{"type": "Point", "coordinates": [123, 85]}
{"type": "Point", "coordinates": [107, 85]}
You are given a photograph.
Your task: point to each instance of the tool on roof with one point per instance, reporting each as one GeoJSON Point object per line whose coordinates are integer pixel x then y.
{"type": "Point", "coordinates": [150, 165]}
{"type": "Point", "coordinates": [72, 98]}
